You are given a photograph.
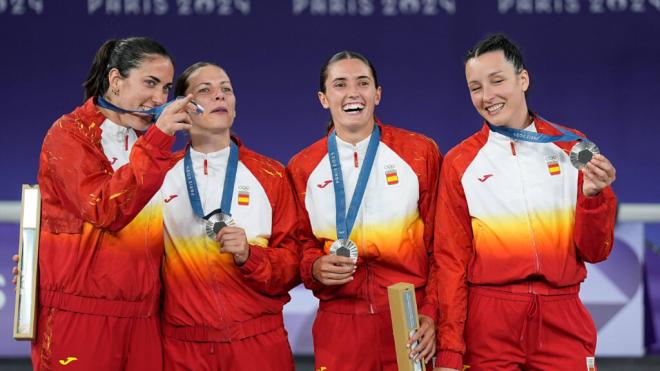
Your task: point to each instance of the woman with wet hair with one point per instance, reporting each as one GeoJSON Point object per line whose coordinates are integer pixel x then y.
{"type": "Point", "coordinates": [231, 250]}
{"type": "Point", "coordinates": [518, 217]}
{"type": "Point", "coordinates": [366, 196]}
{"type": "Point", "coordinates": [101, 240]}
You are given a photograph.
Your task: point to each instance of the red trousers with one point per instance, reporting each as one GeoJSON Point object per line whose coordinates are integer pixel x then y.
{"type": "Point", "coordinates": [268, 351]}
{"type": "Point", "coordinates": [522, 331]}
{"type": "Point", "coordinates": [78, 341]}
{"type": "Point", "coordinates": [349, 342]}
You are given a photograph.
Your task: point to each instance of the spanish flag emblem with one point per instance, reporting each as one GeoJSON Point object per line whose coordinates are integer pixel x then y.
{"type": "Point", "coordinates": [243, 198]}
{"type": "Point", "coordinates": [391, 177]}
{"type": "Point", "coordinates": [553, 168]}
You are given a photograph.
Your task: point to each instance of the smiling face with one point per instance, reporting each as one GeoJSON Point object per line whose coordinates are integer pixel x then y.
{"type": "Point", "coordinates": [497, 90]}
{"type": "Point", "coordinates": [144, 87]}
{"type": "Point", "coordinates": [350, 94]}
{"type": "Point", "coordinates": [212, 89]}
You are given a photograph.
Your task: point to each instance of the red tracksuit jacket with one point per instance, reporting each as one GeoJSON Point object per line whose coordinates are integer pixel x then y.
{"type": "Point", "coordinates": [393, 230]}
{"type": "Point", "coordinates": [101, 240]}
{"type": "Point", "coordinates": [207, 297]}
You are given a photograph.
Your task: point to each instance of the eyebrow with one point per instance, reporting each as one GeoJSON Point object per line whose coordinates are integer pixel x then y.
{"type": "Point", "coordinates": [357, 78]}
{"type": "Point", "coordinates": [209, 84]}
{"type": "Point", "coordinates": [489, 75]}
{"type": "Point", "coordinates": [154, 78]}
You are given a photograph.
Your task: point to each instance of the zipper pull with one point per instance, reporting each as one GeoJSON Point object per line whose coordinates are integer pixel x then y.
{"type": "Point", "coordinates": [126, 142]}
{"type": "Point", "coordinates": [206, 167]}
{"type": "Point", "coordinates": [513, 148]}
{"type": "Point", "coordinates": [355, 157]}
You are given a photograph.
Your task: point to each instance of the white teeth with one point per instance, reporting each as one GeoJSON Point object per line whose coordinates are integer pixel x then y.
{"type": "Point", "coordinates": [351, 107]}
{"type": "Point", "coordinates": [494, 108]}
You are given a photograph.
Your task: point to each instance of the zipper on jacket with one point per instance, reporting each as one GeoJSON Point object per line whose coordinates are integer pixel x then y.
{"type": "Point", "coordinates": [355, 157]}
{"type": "Point", "coordinates": [371, 305]}
{"type": "Point", "coordinates": [126, 142]}
{"type": "Point", "coordinates": [219, 298]}
{"type": "Point", "coordinates": [368, 272]}
{"type": "Point", "coordinates": [206, 167]}
{"type": "Point", "coordinates": [513, 148]}
{"type": "Point", "coordinates": [537, 263]}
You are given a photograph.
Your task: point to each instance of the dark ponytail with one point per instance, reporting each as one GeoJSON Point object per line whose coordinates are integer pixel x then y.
{"type": "Point", "coordinates": [97, 82]}
{"type": "Point", "coordinates": [123, 55]}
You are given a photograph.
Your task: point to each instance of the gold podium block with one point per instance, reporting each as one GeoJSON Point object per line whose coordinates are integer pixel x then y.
{"type": "Point", "coordinates": [405, 321]}
{"type": "Point", "coordinates": [25, 320]}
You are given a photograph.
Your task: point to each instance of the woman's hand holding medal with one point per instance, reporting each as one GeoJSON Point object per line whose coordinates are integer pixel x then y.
{"type": "Point", "coordinates": [234, 241]}
{"type": "Point", "coordinates": [598, 174]}
{"type": "Point", "coordinates": [333, 270]}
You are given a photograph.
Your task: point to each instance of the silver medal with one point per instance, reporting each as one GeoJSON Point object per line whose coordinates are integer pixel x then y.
{"type": "Point", "coordinates": [215, 223]}
{"type": "Point", "coordinates": [582, 153]}
{"type": "Point", "coordinates": [345, 248]}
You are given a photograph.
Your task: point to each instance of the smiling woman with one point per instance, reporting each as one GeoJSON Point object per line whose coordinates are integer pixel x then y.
{"type": "Point", "coordinates": [498, 82]}
{"type": "Point", "coordinates": [101, 228]}
{"type": "Point", "coordinates": [359, 110]}
{"type": "Point", "coordinates": [351, 253]}
{"type": "Point", "coordinates": [509, 197]}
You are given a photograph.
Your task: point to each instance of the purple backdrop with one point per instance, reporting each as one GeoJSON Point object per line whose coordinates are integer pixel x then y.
{"type": "Point", "coordinates": [593, 66]}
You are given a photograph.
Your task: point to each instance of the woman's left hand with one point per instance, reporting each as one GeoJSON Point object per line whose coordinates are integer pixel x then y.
{"type": "Point", "coordinates": [598, 174]}
{"type": "Point", "coordinates": [234, 241]}
{"type": "Point", "coordinates": [425, 349]}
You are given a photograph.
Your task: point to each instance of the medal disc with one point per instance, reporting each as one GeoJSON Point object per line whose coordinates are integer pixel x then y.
{"type": "Point", "coordinates": [345, 248]}
{"type": "Point", "coordinates": [582, 153]}
{"type": "Point", "coordinates": [216, 222]}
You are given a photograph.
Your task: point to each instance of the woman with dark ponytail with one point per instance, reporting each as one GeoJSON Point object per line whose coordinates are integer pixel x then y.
{"type": "Point", "coordinates": [366, 197]}
{"type": "Point", "coordinates": [101, 240]}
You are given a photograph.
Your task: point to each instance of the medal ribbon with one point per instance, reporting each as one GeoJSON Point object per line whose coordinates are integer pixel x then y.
{"type": "Point", "coordinates": [153, 112]}
{"type": "Point", "coordinates": [227, 191]}
{"type": "Point", "coordinates": [346, 220]}
{"type": "Point", "coordinates": [534, 137]}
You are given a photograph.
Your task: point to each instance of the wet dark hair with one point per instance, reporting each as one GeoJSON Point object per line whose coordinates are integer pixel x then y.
{"type": "Point", "coordinates": [182, 84]}
{"type": "Point", "coordinates": [346, 54]}
{"type": "Point", "coordinates": [497, 42]}
{"type": "Point", "coordinates": [124, 55]}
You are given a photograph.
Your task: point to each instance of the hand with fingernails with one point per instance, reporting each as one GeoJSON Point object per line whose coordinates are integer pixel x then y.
{"type": "Point", "coordinates": [14, 270]}
{"type": "Point", "coordinates": [234, 241]}
{"type": "Point", "coordinates": [333, 270]}
{"type": "Point", "coordinates": [425, 336]}
{"type": "Point", "coordinates": [598, 174]}
{"type": "Point", "coordinates": [175, 116]}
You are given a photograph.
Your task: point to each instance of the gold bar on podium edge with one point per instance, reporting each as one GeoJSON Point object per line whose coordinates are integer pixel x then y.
{"type": "Point", "coordinates": [25, 320]}
{"type": "Point", "coordinates": [405, 321]}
